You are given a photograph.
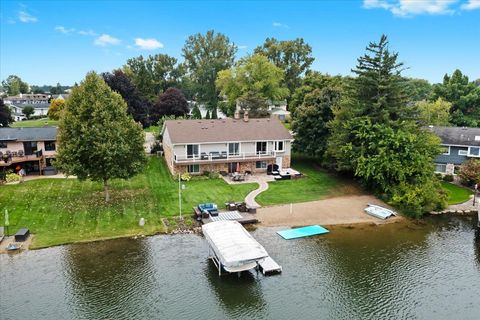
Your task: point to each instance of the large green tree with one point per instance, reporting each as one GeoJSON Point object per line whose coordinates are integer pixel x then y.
{"type": "Point", "coordinates": [418, 89]}
{"type": "Point", "coordinates": [436, 113]}
{"type": "Point", "coordinates": [14, 85]}
{"type": "Point", "coordinates": [464, 96]}
{"type": "Point", "coordinates": [56, 108]}
{"type": "Point", "coordinates": [205, 55]}
{"type": "Point", "coordinates": [97, 140]}
{"type": "Point", "coordinates": [28, 111]}
{"type": "Point", "coordinates": [376, 136]}
{"type": "Point", "coordinates": [294, 57]}
{"type": "Point", "coordinates": [5, 115]}
{"type": "Point", "coordinates": [154, 74]}
{"type": "Point", "coordinates": [252, 83]}
{"type": "Point", "coordinates": [170, 103]}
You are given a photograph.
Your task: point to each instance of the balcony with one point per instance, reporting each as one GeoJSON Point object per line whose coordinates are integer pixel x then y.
{"type": "Point", "coordinates": [220, 157]}
{"type": "Point", "coordinates": [9, 158]}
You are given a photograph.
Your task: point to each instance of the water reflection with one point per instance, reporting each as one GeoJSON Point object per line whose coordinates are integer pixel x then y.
{"type": "Point", "coordinates": [477, 242]}
{"type": "Point", "coordinates": [110, 278]}
{"type": "Point", "coordinates": [238, 294]}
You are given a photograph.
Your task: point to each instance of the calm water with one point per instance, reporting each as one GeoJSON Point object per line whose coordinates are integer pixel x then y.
{"type": "Point", "coordinates": [422, 271]}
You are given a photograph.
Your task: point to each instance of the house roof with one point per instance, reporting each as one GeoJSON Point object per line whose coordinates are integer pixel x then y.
{"type": "Point", "coordinates": [201, 131]}
{"type": "Point", "coordinates": [28, 134]}
{"type": "Point", "coordinates": [460, 136]}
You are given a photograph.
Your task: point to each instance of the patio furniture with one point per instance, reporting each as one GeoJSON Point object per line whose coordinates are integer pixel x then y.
{"type": "Point", "coordinates": [251, 210]}
{"type": "Point", "coordinates": [230, 206]}
{"type": "Point", "coordinates": [223, 155]}
{"type": "Point", "coordinates": [204, 156]}
{"type": "Point", "coordinates": [14, 154]}
{"type": "Point", "coordinates": [22, 234]}
{"type": "Point", "coordinates": [241, 206]}
{"type": "Point", "coordinates": [215, 155]}
{"type": "Point", "coordinates": [210, 208]}
{"type": "Point", "coordinates": [21, 153]}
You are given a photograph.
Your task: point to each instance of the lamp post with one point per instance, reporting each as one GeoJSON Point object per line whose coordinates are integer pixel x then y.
{"type": "Point", "coordinates": [475, 193]}
{"type": "Point", "coordinates": [180, 188]}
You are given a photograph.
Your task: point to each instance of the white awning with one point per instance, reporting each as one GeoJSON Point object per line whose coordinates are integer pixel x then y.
{"type": "Point", "coordinates": [233, 245]}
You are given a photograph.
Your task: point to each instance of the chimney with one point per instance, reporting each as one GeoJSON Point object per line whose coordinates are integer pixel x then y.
{"type": "Point", "coordinates": [236, 115]}
{"type": "Point", "coordinates": [245, 116]}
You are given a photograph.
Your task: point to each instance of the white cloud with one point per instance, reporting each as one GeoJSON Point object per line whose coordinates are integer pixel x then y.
{"type": "Point", "coordinates": [64, 30]}
{"type": "Point", "coordinates": [25, 17]}
{"type": "Point", "coordinates": [471, 5]}
{"type": "Point", "coordinates": [87, 33]}
{"type": "Point", "coordinates": [105, 40]}
{"type": "Point", "coordinates": [280, 25]}
{"type": "Point", "coordinates": [148, 44]}
{"type": "Point", "coordinates": [407, 8]}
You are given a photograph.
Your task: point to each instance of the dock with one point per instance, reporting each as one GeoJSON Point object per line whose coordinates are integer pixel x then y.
{"type": "Point", "coordinates": [268, 265]}
{"type": "Point", "coordinates": [241, 217]}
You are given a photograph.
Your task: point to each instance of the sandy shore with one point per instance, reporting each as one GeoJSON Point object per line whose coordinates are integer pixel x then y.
{"type": "Point", "coordinates": [11, 239]}
{"type": "Point", "coordinates": [333, 211]}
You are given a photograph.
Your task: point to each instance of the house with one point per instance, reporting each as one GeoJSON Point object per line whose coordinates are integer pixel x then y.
{"type": "Point", "coordinates": [225, 145]}
{"type": "Point", "coordinates": [461, 144]}
{"type": "Point", "coordinates": [30, 148]}
{"type": "Point", "coordinates": [276, 109]}
{"type": "Point", "coordinates": [39, 102]}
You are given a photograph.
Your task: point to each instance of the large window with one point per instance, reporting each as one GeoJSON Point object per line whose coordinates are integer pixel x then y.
{"type": "Point", "coordinates": [193, 168]}
{"type": "Point", "coordinates": [462, 152]}
{"type": "Point", "coordinates": [261, 147]}
{"type": "Point", "coordinates": [192, 151]}
{"type": "Point", "coordinates": [234, 149]}
{"type": "Point", "coordinates": [474, 151]}
{"type": "Point", "coordinates": [261, 164]}
{"type": "Point", "coordinates": [278, 146]}
{"type": "Point", "coordinates": [3, 144]}
{"type": "Point", "coordinates": [440, 167]}
{"type": "Point", "coordinates": [49, 145]}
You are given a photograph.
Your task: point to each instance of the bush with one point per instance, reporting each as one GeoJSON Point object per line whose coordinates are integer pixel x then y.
{"type": "Point", "coordinates": [186, 176]}
{"type": "Point", "coordinates": [469, 172]}
{"type": "Point", "coordinates": [448, 178]}
{"type": "Point", "coordinates": [12, 177]}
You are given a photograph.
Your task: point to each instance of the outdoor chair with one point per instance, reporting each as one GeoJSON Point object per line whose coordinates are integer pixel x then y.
{"type": "Point", "coordinates": [224, 155]}
{"type": "Point", "coordinates": [14, 154]}
{"type": "Point", "coordinates": [204, 156]}
{"type": "Point", "coordinates": [21, 153]}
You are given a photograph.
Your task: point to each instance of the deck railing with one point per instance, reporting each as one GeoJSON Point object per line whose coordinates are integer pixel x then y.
{"type": "Point", "coordinates": [222, 156]}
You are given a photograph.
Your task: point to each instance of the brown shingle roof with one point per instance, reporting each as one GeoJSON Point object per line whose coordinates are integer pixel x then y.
{"type": "Point", "coordinates": [198, 131]}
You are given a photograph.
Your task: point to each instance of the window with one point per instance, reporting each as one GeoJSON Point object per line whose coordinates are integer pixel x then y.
{"type": "Point", "coordinates": [234, 149]}
{"type": "Point", "coordinates": [262, 147]}
{"type": "Point", "coordinates": [278, 146]}
{"type": "Point", "coordinates": [193, 168]}
{"type": "Point", "coordinates": [474, 151]}
{"type": "Point", "coordinates": [3, 144]}
{"type": "Point", "coordinates": [49, 145]}
{"type": "Point", "coordinates": [192, 151]}
{"type": "Point", "coordinates": [440, 167]}
{"type": "Point", "coordinates": [462, 152]}
{"type": "Point", "coordinates": [446, 150]}
{"type": "Point", "coordinates": [261, 164]}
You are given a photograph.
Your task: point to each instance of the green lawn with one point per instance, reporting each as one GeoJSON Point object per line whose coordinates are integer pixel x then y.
{"type": "Point", "coordinates": [35, 123]}
{"type": "Point", "coordinates": [456, 194]}
{"type": "Point", "coordinates": [317, 184]}
{"type": "Point", "coordinates": [152, 129]}
{"type": "Point", "coordinates": [287, 125]}
{"type": "Point", "coordinates": [60, 211]}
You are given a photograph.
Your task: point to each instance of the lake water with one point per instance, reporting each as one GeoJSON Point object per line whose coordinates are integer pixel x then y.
{"type": "Point", "coordinates": [429, 270]}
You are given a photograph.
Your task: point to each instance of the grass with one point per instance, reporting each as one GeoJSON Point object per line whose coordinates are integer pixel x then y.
{"type": "Point", "coordinates": [455, 193]}
{"type": "Point", "coordinates": [287, 125]}
{"type": "Point", "coordinates": [317, 184]}
{"type": "Point", "coordinates": [60, 211]}
{"type": "Point", "coordinates": [35, 123]}
{"type": "Point", "coordinates": [152, 129]}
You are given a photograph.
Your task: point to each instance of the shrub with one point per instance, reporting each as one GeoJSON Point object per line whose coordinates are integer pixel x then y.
{"type": "Point", "coordinates": [12, 177]}
{"type": "Point", "coordinates": [448, 178]}
{"type": "Point", "coordinates": [186, 176]}
{"type": "Point", "coordinates": [469, 172]}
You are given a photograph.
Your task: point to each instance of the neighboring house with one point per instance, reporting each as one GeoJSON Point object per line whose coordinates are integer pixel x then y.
{"type": "Point", "coordinates": [229, 145]}
{"type": "Point", "coordinates": [203, 110]}
{"type": "Point", "coordinates": [461, 144]}
{"type": "Point", "coordinates": [31, 148]}
{"type": "Point", "coordinates": [277, 109]}
{"type": "Point", "coordinates": [39, 102]}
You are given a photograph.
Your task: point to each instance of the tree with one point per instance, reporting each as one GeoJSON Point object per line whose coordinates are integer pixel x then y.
{"type": "Point", "coordinates": [154, 74]}
{"type": "Point", "coordinates": [310, 122]}
{"type": "Point", "coordinates": [137, 106]}
{"type": "Point", "coordinates": [56, 108]}
{"type": "Point", "coordinates": [196, 114]}
{"type": "Point", "coordinates": [58, 89]}
{"type": "Point", "coordinates": [97, 140]}
{"type": "Point", "coordinates": [436, 113]}
{"type": "Point", "coordinates": [253, 78]}
{"type": "Point", "coordinates": [206, 55]}
{"type": "Point", "coordinates": [257, 106]}
{"type": "Point", "coordinates": [294, 57]}
{"type": "Point", "coordinates": [14, 85]}
{"type": "Point", "coordinates": [5, 115]}
{"type": "Point", "coordinates": [207, 116]}
{"type": "Point", "coordinates": [470, 172]}
{"type": "Point", "coordinates": [171, 102]}
{"type": "Point", "coordinates": [464, 96]}
{"type": "Point", "coordinates": [28, 111]}
{"type": "Point", "coordinates": [419, 89]}
{"type": "Point", "coordinates": [375, 136]}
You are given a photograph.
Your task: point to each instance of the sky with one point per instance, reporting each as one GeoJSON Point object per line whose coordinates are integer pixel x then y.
{"type": "Point", "coordinates": [45, 42]}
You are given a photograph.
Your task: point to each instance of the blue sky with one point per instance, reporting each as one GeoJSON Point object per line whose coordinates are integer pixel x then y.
{"type": "Point", "coordinates": [45, 42]}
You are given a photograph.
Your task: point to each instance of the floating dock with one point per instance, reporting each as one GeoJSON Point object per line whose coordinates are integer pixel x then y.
{"type": "Point", "coordinates": [268, 265]}
{"type": "Point", "coordinates": [302, 232]}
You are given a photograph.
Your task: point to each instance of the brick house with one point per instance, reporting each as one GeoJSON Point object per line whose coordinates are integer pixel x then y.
{"type": "Point", "coordinates": [228, 145]}
{"type": "Point", "coordinates": [30, 148]}
{"type": "Point", "coordinates": [460, 143]}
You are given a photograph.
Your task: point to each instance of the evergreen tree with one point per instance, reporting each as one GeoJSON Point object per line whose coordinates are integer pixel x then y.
{"type": "Point", "coordinates": [207, 116]}
{"type": "Point", "coordinates": [97, 139]}
{"type": "Point", "coordinates": [196, 114]}
{"type": "Point", "coordinates": [5, 115]}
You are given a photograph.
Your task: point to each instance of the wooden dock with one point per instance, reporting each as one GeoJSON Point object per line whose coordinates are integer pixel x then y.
{"type": "Point", "coordinates": [268, 265]}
